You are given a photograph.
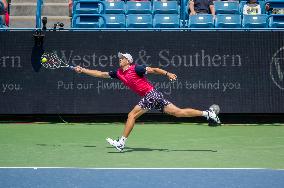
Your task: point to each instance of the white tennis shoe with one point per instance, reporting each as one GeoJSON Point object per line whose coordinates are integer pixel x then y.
{"type": "Point", "coordinates": [213, 118]}
{"type": "Point", "coordinates": [115, 143]}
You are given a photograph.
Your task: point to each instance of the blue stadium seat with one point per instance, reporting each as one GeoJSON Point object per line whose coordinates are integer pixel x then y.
{"type": "Point", "coordinates": [276, 21]}
{"type": "Point", "coordinates": [1, 22]}
{"type": "Point", "coordinates": [117, 7]}
{"type": "Point", "coordinates": [228, 21]}
{"type": "Point", "coordinates": [226, 7]}
{"type": "Point", "coordinates": [141, 7]}
{"type": "Point", "coordinates": [255, 21]}
{"type": "Point", "coordinates": [2, 9]}
{"type": "Point", "coordinates": [170, 7]}
{"type": "Point", "coordinates": [166, 21]}
{"type": "Point", "coordinates": [139, 21]}
{"type": "Point", "coordinates": [88, 7]}
{"type": "Point", "coordinates": [261, 3]}
{"type": "Point", "coordinates": [87, 21]}
{"type": "Point", "coordinates": [201, 21]}
{"type": "Point", "coordinates": [115, 20]}
{"type": "Point", "coordinates": [186, 9]}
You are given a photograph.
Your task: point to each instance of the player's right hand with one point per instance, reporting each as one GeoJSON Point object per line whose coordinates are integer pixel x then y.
{"type": "Point", "coordinates": [78, 69]}
{"type": "Point", "coordinates": [172, 76]}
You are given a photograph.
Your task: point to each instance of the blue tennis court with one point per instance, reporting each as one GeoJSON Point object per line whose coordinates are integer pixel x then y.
{"type": "Point", "coordinates": [198, 178]}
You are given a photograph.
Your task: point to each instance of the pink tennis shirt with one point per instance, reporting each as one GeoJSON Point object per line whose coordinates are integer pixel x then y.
{"type": "Point", "coordinates": [134, 78]}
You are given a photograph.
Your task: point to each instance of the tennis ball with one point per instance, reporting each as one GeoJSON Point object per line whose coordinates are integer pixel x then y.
{"type": "Point", "coordinates": [44, 60]}
{"type": "Point", "coordinates": [215, 108]}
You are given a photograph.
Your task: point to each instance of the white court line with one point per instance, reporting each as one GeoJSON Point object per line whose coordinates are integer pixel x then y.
{"type": "Point", "coordinates": [138, 168]}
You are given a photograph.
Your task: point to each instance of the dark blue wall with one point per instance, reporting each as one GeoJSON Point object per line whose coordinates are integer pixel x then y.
{"type": "Point", "coordinates": [240, 71]}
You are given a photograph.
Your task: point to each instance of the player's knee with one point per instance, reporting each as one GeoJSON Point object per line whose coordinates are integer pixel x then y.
{"type": "Point", "coordinates": [131, 116]}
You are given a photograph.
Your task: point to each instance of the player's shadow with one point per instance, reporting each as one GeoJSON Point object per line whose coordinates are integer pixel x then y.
{"type": "Point", "coordinates": [89, 146]}
{"type": "Point", "coordinates": [36, 54]}
{"type": "Point", "coordinates": [197, 150]}
{"type": "Point", "coordinates": [58, 145]}
{"type": "Point", "coordinates": [49, 145]}
{"type": "Point", "coordinates": [129, 149]}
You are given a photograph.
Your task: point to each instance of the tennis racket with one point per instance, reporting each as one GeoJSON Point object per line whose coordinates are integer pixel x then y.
{"type": "Point", "coordinates": [52, 61]}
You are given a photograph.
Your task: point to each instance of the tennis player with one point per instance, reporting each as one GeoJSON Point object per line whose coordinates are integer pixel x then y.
{"type": "Point", "coordinates": [133, 76]}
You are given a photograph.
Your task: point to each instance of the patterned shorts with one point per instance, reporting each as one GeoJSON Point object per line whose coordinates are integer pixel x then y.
{"type": "Point", "coordinates": [153, 99]}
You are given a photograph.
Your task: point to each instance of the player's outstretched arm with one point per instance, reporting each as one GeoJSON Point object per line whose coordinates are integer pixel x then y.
{"type": "Point", "coordinates": [151, 70]}
{"type": "Point", "coordinates": [94, 73]}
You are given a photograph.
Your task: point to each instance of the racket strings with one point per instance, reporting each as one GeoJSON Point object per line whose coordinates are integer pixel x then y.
{"type": "Point", "coordinates": [53, 61]}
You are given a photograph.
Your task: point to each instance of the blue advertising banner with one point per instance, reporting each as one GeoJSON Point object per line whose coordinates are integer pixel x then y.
{"type": "Point", "coordinates": [240, 71]}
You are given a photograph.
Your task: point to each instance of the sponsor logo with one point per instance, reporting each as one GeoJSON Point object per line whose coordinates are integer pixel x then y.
{"type": "Point", "coordinates": [277, 68]}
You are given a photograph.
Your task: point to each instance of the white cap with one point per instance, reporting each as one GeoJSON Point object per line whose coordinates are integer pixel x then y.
{"type": "Point", "coordinates": [126, 55]}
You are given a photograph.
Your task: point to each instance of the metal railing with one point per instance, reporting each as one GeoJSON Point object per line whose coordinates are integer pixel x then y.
{"type": "Point", "coordinates": [150, 29]}
{"type": "Point", "coordinates": [38, 14]}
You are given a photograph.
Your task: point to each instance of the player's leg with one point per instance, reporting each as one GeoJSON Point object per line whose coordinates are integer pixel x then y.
{"type": "Point", "coordinates": [210, 115]}
{"type": "Point", "coordinates": [173, 110]}
{"type": "Point", "coordinates": [132, 116]}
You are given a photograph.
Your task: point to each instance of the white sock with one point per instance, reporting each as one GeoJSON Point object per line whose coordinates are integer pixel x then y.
{"type": "Point", "coordinates": [205, 114]}
{"type": "Point", "coordinates": [122, 140]}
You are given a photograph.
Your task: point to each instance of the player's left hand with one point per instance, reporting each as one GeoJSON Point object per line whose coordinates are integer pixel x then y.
{"type": "Point", "coordinates": [172, 76]}
{"type": "Point", "coordinates": [78, 69]}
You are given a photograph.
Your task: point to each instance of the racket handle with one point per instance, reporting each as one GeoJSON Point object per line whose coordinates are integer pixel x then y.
{"type": "Point", "coordinates": [71, 67]}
